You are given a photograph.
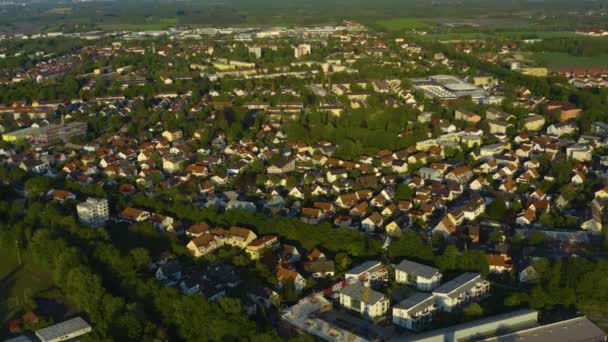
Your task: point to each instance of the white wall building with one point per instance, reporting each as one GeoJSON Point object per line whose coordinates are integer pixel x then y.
{"type": "Point", "coordinates": [302, 50]}
{"type": "Point", "coordinates": [93, 212]}
{"type": "Point", "coordinates": [424, 277]}
{"type": "Point", "coordinates": [415, 312]}
{"type": "Point", "coordinates": [460, 291]}
{"type": "Point", "coordinates": [364, 300]}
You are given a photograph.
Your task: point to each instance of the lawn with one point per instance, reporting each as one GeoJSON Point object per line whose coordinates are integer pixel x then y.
{"type": "Point", "coordinates": [556, 60]}
{"type": "Point", "coordinates": [18, 283]}
{"type": "Point", "coordinates": [401, 24]}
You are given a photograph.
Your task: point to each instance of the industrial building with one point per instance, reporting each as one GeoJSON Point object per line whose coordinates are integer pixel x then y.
{"type": "Point", "coordinates": [45, 135]}
{"type": "Point", "coordinates": [448, 87]}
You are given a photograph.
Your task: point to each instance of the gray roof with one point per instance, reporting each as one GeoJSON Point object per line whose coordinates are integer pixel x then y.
{"type": "Point", "coordinates": [21, 338]}
{"type": "Point", "coordinates": [416, 269]}
{"type": "Point", "coordinates": [356, 291]}
{"type": "Point", "coordinates": [459, 284]}
{"type": "Point", "coordinates": [477, 329]}
{"type": "Point", "coordinates": [419, 301]}
{"type": "Point", "coordinates": [366, 266]}
{"type": "Point", "coordinates": [71, 326]}
{"type": "Point", "coordinates": [576, 329]}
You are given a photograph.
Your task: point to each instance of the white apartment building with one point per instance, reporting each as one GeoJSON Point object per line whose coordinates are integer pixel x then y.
{"type": "Point", "coordinates": [93, 212]}
{"type": "Point", "coordinates": [302, 50]}
{"type": "Point", "coordinates": [416, 312]}
{"type": "Point", "coordinates": [460, 291]}
{"type": "Point", "coordinates": [364, 300]}
{"type": "Point", "coordinates": [425, 278]}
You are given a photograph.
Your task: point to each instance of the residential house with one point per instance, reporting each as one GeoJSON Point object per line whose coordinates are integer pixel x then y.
{"type": "Point", "coordinates": [533, 122]}
{"type": "Point", "coordinates": [372, 223]}
{"type": "Point", "coordinates": [446, 226]}
{"type": "Point", "coordinates": [203, 245]}
{"type": "Point", "coordinates": [465, 115]}
{"type": "Point", "coordinates": [498, 127]}
{"type": "Point", "coordinates": [290, 254]}
{"type": "Point", "coordinates": [320, 269]}
{"type": "Point", "coordinates": [499, 263]}
{"type": "Point", "coordinates": [370, 272]}
{"type": "Point", "coordinates": [287, 276]}
{"type": "Point", "coordinates": [238, 236]}
{"type": "Point", "coordinates": [311, 215]}
{"type": "Point", "coordinates": [257, 247]}
{"type": "Point", "coordinates": [562, 128]}
{"type": "Point", "coordinates": [580, 152]}
{"type": "Point", "coordinates": [169, 273]}
{"type": "Point", "coordinates": [173, 135]}
{"type": "Point", "coordinates": [134, 215]}
{"type": "Point", "coordinates": [461, 174]}
{"type": "Point", "coordinates": [282, 166]}
{"type": "Point", "coordinates": [316, 255]}
{"type": "Point", "coordinates": [566, 111]}
{"type": "Point", "coordinates": [198, 229]}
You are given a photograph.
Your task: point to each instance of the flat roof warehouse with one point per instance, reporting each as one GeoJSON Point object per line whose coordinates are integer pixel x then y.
{"type": "Point", "coordinates": [64, 331]}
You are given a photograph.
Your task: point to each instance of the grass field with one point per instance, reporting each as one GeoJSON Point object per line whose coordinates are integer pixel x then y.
{"type": "Point", "coordinates": [18, 283]}
{"type": "Point", "coordinates": [473, 35]}
{"type": "Point", "coordinates": [401, 24]}
{"type": "Point", "coordinates": [556, 60]}
{"type": "Point", "coordinates": [151, 24]}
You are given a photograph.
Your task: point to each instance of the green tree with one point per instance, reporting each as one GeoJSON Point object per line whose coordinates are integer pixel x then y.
{"type": "Point", "coordinates": [343, 261]}
{"type": "Point", "coordinates": [37, 186]}
{"type": "Point", "coordinates": [497, 209]}
{"type": "Point", "coordinates": [404, 192]}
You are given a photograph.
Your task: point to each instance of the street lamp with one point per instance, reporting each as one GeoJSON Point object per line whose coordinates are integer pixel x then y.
{"type": "Point", "coordinates": [18, 252]}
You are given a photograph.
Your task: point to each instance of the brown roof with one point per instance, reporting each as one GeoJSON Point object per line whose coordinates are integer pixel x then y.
{"type": "Point", "coordinates": [499, 260]}
{"type": "Point", "coordinates": [375, 217]}
{"type": "Point", "coordinates": [360, 208]}
{"type": "Point", "coordinates": [203, 240]}
{"type": "Point", "coordinates": [240, 232]}
{"type": "Point", "coordinates": [131, 213]}
{"type": "Point", "coordinates": [348, 198]}
{"type": "Point", "coordinates": [319, 266]}
{"type": "Point", "coordinates": [284, 275]}
{"type": "Point", "coordinates": [61, 194]}
{"type": "Point", "coordinates": [448, 224]}
{"type": "Point", "coordinates": [530, 215]}
{"type": "Point", "coordinates": [198, 228]}
{"type": "Point", "coordinates": [325, 206]}
{"type": "Point", "coordinates": [263, 241]}
{"type": "Point", "coordinates": [461, 170]}
{"type": "Point", "coordinates": [315, 254]}
{"type": "Point", "coordinates": [311, 212]}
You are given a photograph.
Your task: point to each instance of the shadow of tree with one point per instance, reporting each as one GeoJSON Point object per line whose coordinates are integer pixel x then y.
{"type": "Point", "coordinates": [7, 303]}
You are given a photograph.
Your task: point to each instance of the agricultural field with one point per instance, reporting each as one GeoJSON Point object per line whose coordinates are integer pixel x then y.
{"type": "Point", "coordinates": [19, 283]}
{"type": "Point", "coordinates": [401, 24]}
{"type": "Point", "coordinates": [557, 60]}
